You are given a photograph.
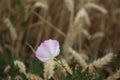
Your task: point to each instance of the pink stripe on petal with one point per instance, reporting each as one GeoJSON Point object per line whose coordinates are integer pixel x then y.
{"type": "Point", "coordinates": [48, 50]}
{"type": "Point", "coordinates": [50, 45]}
{"type": "Point", "coordinates": [43, 59]}
{"type": "Point", "coordinates": [41, 51]}
{"type": "Point", "coordinates": [57, 50]}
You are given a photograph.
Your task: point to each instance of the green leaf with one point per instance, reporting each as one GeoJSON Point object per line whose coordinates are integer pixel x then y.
{"type": "Point", "coordinates": [23, 76]}
{"type": "Point", "coordinates": [37, 67]}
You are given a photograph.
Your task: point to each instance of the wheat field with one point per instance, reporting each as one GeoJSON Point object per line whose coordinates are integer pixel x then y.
{"type": "Point", "coordinates": [88, 32]}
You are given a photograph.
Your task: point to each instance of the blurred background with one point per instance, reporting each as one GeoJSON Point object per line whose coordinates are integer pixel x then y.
{"type": "Point", "coordinates": [90, 27]}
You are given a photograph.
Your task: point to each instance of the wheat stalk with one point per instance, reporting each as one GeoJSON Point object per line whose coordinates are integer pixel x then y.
{"type": "Point", "coordinates": [99, 63]}
{"type": "Point", "coordinates": [31, 76]}
{"type": "Point", "coordinates": [50, 25]}
{"type": "Point", "coordinates": [49, 69]}
{"type": "Point", "coordinates": [12, 31]}
{"type": "Point", "coordinates": [70, 5]}
{"type": "Point", "coordinates": [20, 65]}
{"type": "Point", "coordinates": [79, 58]}
{"type": "Point", "coordinates": [82, 15]}
{"type": "Point", "coordinates": [97, 7]}
{"type": "Point", "coordinates": [103, 61]}
{"type": "Point", "coordinates": [77, 24]}
{"type": "Point", "coordinates": [114, 76]}
{"type": "Point", "coordinates": [7, 68]}
{"type": "Point", "coordinates": [63, 65]}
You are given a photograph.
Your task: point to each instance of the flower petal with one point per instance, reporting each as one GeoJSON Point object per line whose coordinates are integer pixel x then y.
{"type": "Point", "coordinates": [42, 52]}
{"type": "Point", "coordinates": [57, 48]}
{"type": "Point", "coordinates": [47, 50]}
{"type": "Point", "coordinates": [53, 46]}
{"type": "Point", "coordinates": [43, 59]}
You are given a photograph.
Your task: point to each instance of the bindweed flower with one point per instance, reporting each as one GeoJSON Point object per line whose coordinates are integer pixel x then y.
{"type": "Point", "coordinates": [48, 50]}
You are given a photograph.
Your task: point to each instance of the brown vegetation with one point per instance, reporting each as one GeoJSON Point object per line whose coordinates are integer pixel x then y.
{"type": "Point", "coordinates": [91, 27]}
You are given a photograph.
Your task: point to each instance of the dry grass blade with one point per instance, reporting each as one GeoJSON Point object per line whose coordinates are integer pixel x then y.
{"type": "Point", "coordinates": [30, 6]}
{"type": "Point", "coordinates": [12, 31]}
{"type": "Point", "coordinates": [86, 33]}
{"type": "Point", "coordinates": [33, 50]}
{"type": "Point", "coordinates": [51, 25]}
{"type": "Point", "coordinates": [98, 35]}
{"type": "Point", "coordinates": [97, 7]}
{"type": "Point", "coordinates": [70, 5]}
{"type": "Point", "coordinates": [40, 4]}
{"type": "Point", "coordinates": [82, 13]}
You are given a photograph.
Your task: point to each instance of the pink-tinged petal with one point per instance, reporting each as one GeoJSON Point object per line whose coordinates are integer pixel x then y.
{"type": "Point", "coordinates": [43, 59]}
{"type": "Point", "coordinates": [47, 50]}
{"type": "Point", "coordinates": [42, 52]}
{"type": "Point", "coordinates": [53, 46]}
{"type": "Point", "coordinates": [57, 48]}
{"type": "Point", "coordinates": [57, 51]}
{"type": "Point", "coordinates": [50, 45]}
